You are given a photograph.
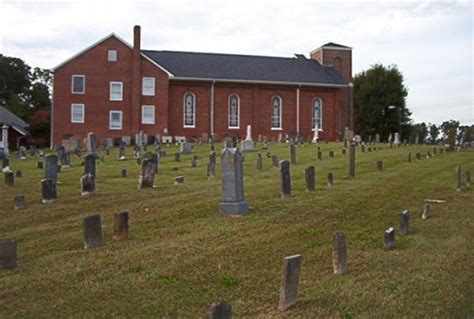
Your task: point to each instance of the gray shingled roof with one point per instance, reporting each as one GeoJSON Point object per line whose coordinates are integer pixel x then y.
{"type": "Point", "coordinates": [10, 119]}
{"type": "Point", "coordinates": [245, 67]}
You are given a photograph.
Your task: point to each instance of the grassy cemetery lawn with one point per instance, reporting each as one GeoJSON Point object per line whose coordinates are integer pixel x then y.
{"type": "Point", "coordinates": [182, 255]}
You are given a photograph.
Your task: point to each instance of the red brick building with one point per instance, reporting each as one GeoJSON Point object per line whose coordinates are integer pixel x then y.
{"type": "Point", "coordinates": [114, 89]}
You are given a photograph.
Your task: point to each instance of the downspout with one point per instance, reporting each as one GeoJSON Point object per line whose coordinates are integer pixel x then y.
{"type": "Point", "coordinates": [51, 126]}
{"type": "Point", "coordinates": [212, 108]}
{"type": "Point", "coordinates": [298, 109]}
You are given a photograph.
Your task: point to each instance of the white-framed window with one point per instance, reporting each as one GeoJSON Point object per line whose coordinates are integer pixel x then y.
{"type": "Point", "coordinates": [189, 110]}
{"type": "Point", "coordinates": [234, 111]}
{"type": "Point", "coordinates": [115, 120]}
{"type": "Point", "coordinates": [112, 55]}
{"type": "Point", "coordinates": [116, 91]}
{"type": "Point", "coordinates": [148, 114]}
{"type": "Point", "coordinates": [317, 113]}
{"type": "Point", "coordinates": [276, 112]}
{"type": "Point", "coordinates": [148, 86]}
{"type": "Point", "coordinates": [78, 84]}
{"type": "Point", "coordinates": [77, 113]}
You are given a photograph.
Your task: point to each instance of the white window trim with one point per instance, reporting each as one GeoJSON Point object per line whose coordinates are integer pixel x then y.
{"type": "Point", "coordinates": [143, 114]}
{"type": "Point", "coordinates": [238, 112]}
{"type": "Point", "coordinates": [280, 128]}
{"type": "Point", "coordinates": [110, 120]}
{"type": "Point", "coordinates": [108, 55]}
{"type": "Point", "coordinates": [184, 110]}
{"type": "Point", "coordinates": [143, 86]}
{"type": "Point", "coordinates": [72, 83]}
{"type": "Point", "coordinates": [320, 129]}
{"type": "Point", "coordinates": [121, 91]}
{"type": "Point", "coordinates": [72, 112]}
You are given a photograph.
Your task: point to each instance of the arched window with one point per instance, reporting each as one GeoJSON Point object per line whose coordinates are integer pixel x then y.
{"type": "Point", "coordinates": [234, 111]}
{"type": "Point", "coordinates": [189, 109]}
{"type": "Point", "coordinates": [276, 112]}
{"type": "Point", "coordinates": [317, 110]}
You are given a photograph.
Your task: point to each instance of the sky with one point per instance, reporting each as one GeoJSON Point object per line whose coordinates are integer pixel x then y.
{"type": "Point", "coordinates": [431, 42]}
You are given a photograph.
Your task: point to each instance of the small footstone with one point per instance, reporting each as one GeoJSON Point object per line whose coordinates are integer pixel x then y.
{"type": "Point", "coordinates": [121, 226]}
{"type": "Point", "coordinates": [320, 155]}
{"type": "Point", "coordinates": [289, 282]}
{"type": "Point", "coordinates": [39, 164]}
{"type": "Point", "coordinates": [339, 253]}
{"type": "Point", "coordinates": [330, 180]}
{"type": "Point", "coordinates": [380, 166]}
{"type": "Point", "coordinates": [19, 202]}
{"type": "Point", "coordinates": [18, 173]}
{"type": "Point", "coordinates": [178, 180]}
{"type": "Point", "coordinates": [8, 254]}
{"type": "Point", "coordinates": [390, 238]}
{"type": "Point", "coordinates": [220, 310]}
{"type": "Point", "coordinates": [9, 178]}
{"type": "Point", "coordinates": [275, 162]}
{"type": "Point", "coordinates": [426, 212]}
{"type": "Point", "coordinates": [124, 172]}
{"type": "Point", "coordinates": [404, 220]}
{"type": "Point", "coordinates": [92, 231]}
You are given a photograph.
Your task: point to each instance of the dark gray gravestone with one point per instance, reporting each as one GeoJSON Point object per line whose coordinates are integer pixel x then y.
{"type": "Point", "coordinates": [320, 155]}
{"type": "Point", "coordinates": [51, 171]}
{"type": "Point", "coordinates": [330, 180]}
{"type": "Point", "coordinates": [404, 222]}
{"type": "Point", "coordinates": [48, 190]}
{"type": "Point", "coordinates": [18, 173]}
{"type": "Point", "coordinates": [121, 226]}
{"type": "Point", "coordinates": [309, 178]}
{"type": "Point", "coordinates": [380, 166]}
{"type": "Point", "coordinates": [285, 179]}
{"type": "Point", "coordinates": [352, 159]}
{"type": "Point", "coordinates": [331, 153]}
{"type": "Point", "coordinates": [39, 164]}
{"type": "Point", "coordinates": [293, 153]}
{"type": "Point", "coordinates": [259, 164]}
{"type": "Point", "coordinates": [194, 161]}
{"type": "Point", "coordinates": [275, 162]}
{"type": "Point", "coordinates": [211, 170]}
{"type": "Point", "coordinates": [389, 238]}
{"type": "Point", "coordinates": [212, 158]}
{"type": "Point", "coordinates": [233, 201]}
{"type": "Point", "coordinates": [137, 151]}
{"type": "Point", "coordinates": [19, 202]}
{"type": "Point", "coordinates": [458, 178]}
{"type": "Point", "coordinates": [89, 164]}
{"type": "Point", "coordinates": [343, 151]}
{"type": "Point", "coordinates": [147, 177]}
{"type": "Point", "coordinates": [32, 150]}
{"type": "Point", "coordinates": [468, 178]}
{"type": "Point", "coordinates": [8, 254]}
{"type": "Point", "coordinates": [61, 152]}
{"type": "Point", "coordinates": [87, 185]}
{"type": "Point", "coordinates": [289, 282]}
{"type": "Point", "coordinates": [186, 148]}
{"type": "Point", "coordinates": [9, 178]}
{"type": "Point", "coordinates": [91, 143]}
{"type": "Point", "coordinates": [92, 231]}
{"type": "Point", "coordinates": [177, 157]}
{"type": "Point", "coordinates": [220, 310]}
{"type": "Point", "coordinates": [122, 152]}
{"type": "Point", "coordinates": [426, 212]}
{"type": "Point", "coordinates": [124, 172]}
{"type": "Point", "coordinates": [409, 157]}
{"type": "Point", "coordinates": [339, 253]}
{"type": "Point", "coordinates": [179, 180]}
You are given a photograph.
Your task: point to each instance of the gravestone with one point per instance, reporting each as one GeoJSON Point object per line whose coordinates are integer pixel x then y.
{"type": "Point", "coordinates": [339, 253]}
{"type": "Point", "coordinates": [377, 138]}
{"type": "Point", "coordinates": [418, 156]}
{"type": "Point", "coordinates": [315, 135]}
{"type": "Point", "coordinates": [179, 180]}
{"type": "Point", "coordinates": [91, 143]}
{"type": "Point", "coordinates": [186, 148]}
{"type": "Point", "coordinates": [61, 152]}
{"type": "Point", "coordinates": [22, 153]}
{"type": "Point", "coordinates": [87, 185]}
{"type": "Point", "coordinates": [51, 171]}
{"type": "Point", "coordinates": [19, 202]}
{"type": "Point", "coordinates": [211, 171]}
{"type": "Point", "coordinates": [127, 140]}
{"type": "Point", "coordinates": [177, 157]}
{"type": "Point", "coordinates": [137, 152]}
{"type": "Point", "coordinates": [121, 226]}
{"type": "Point", "coordinates": [32, 148]}
{"type": "Point", "coordinates": [409, 157]}
{"type": "Point", "coordinates": [8, 254]}
{"type": "Point", "coordinates": [275, 162]}
{"type": "Point", "coordinates": [404, 220]}
{"type": "Point", "coordinates": [220, 310]}
{"type": "Point", "coordinates": [426, 212]}
{"type": "Point", "coordinates": [194, 161]}
{"type": "Point", "coordinates": [289, 282]}
{"type": "Point", "coordinates": [310, 179]}
{"type": "Point", "coordinates": [389, 238]}
{"type": "Point", "coordinates": [232, 184]}
{"type": "Point", "coordinates": [343, 151]}
{"type": "Point", "coordinates": [122, 152]}
{"type": "Point", "coordinates": [352, 160]}
{"type": "Point", "coordinates": [320, 155]}
{"type": "Point", "coordinates": [458, 178]}
{"type": "Point", "coordinates": [90, 164]}
{"type": "Point", "coordinates": [330, 179]}
{"type": "Point", "coordinates": [248, 145]}
{"type": "Point", "coordinates": [9, 178]}
{"type": "Point", "coordinates": [285, 179]}
{"type": "Point", "coordinates": [124, 172]}
{"type": "Point", "coordinates": [48, 190]}
{"type": "Point", "coordinates": [397, 138]}
{"type": "Point", "coordinates": [212, 158]}
{"type": "Point", "coordinates": [468, 178]}
{"type": "Point", "coordinates": [259, 162]}
{"type": "Point", "coordinates": [293, 154]}
{"type": "Point", "coordinates": [362, 148]}
{"type": "Point", "coordinates": [380, 165]}
{"type": "Point", "coordinates": [331, 153]}
{"type": "Point", "coordinates": [92, 231]}
{"type": "Point", "coordinates": [147, 176]}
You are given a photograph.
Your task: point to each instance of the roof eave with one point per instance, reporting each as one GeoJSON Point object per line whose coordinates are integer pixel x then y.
{"type": "Point", "coordinates": [331, 48]}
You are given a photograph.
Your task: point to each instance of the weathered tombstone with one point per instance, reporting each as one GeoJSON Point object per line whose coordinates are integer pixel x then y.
{"type": "Point", "coordinates": [259, 162]}
{"type": "Point", "coordinates": [232, 183]}
{"type": "Point", "coordinates": [330, 180]}
{"type": "Point", "coordinates": [343, 151]}
{"type": "Point", "coordinates": [8, 254]}
{"type": "Point", "coordinates": [310, 179]}
{"type": "Point", "coordinates": [352, 160]}
{"type": "Point", "coordinates": [18, 173]}
{"type": "Point", "coordinates": [87, 184]}
{"type": "Point", "coordinates": [32, 150]}
{"type": "Point", "coordinates": [404, 221]}
{"type": "Point", "coordinates": [90, 164]}
{"type": "Point", "coordinates": [137, 152]}
{"type": "Point", "coordinates": [213, 147]}
{"type": "Point", "coordinates": [275, 162]}
{"type": "Point", "coordinates": [177, 157]}
{"type": "Point", "coordinates": [331, 153]}
{"type": "Point", "coordinates": [61, 152]}
{"type": "Point", "coordinates": [48, 190]}
{"type": "Point", "coordinates": [147, 176]}
{"type": "Point", "coordinates": [458, 178]}
{"type": "Point", "coordinates": [380, 165]}
{"type": "Point", "coordinates": [194, 161]}
{"type": "Point", "coordinates": [409, 157]}
{"type": "Point", "coordinates": [91, 143]}
{"type": "Point", "coordinates": [212, 158]}
{"type": "Point", "coordinates": [211, 170]}
{"type": "Point", "coordinates": [389, 238]}
{"type": "Point", "coordinates": [293, 153]}
{"type": "Point", "coordinates": [285, 179]}
{"type": "Point", "coordinates": [22, 153]}
{"type": "Point", "coordinates": [289, 282]}
{"type": "Point", "coordinates": [124, 172]}
{"type": "Point", "coordinates": [179, 180]}
{"type": "Point", "coordinates": [92, 231]}
{"type": "Point", "coordinates": [5, 164]}
{"type": "Point", "coordinates": [9, 178]}
{"type": "Point", "coordinates": [19, 202]}
{"type": "Point", "coordinates": [339, 253]}
{"type": "Point", "coordinates": [377, 138]}
{"type": "Point", "coordinates": [396, 138]}
{"type": "Point", "coordinates": [122, 152]}
{"type": "Point", "coordinates": [320, 155]}
{"type": "Point", "coordinates": [362, 148]}
{"type": "Point", "coordinates": [426, 211]}
{"type": "Point", "coordinates": [51, 171]}
{"type": "Point", "coordinates": [186, 148]}
{"type": "Point", "coordinates": [121, 226]}
{"type": "Point", "coordinates": [220, 310]}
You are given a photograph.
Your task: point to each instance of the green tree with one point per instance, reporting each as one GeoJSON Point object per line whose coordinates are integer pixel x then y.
{"type": "Point", "coordinates": [450, 132]}
{"type": "Point", "coordinates": [379, 102]}
{"type": "Point", "coordinates": [433, 134]}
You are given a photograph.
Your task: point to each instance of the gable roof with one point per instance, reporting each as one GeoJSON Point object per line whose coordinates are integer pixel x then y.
{"type": "Point", "coordinates": [235, 67]}
{"type": "Point", "coordinates": [332, 44]}
{"type": "Point", "coordinates": [10, 119]}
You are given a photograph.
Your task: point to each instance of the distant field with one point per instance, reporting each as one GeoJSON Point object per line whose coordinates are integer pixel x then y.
{"type": "Point", "coordinates": [183, 255]}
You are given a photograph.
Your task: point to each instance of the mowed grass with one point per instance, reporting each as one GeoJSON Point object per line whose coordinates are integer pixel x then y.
{"type": "Point", "coordinates": [182, 255]}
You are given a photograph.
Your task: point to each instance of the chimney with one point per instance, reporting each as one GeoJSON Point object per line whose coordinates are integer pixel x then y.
{"type": "Point", "coordinates": [136, 37]}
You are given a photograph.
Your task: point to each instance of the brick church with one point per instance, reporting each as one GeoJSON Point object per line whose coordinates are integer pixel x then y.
{"type": "Point", "coordinates": [114, 89]}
